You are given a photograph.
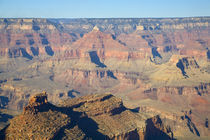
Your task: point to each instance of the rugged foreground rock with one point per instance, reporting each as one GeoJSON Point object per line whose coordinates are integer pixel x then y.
{"type": "Point", "coordinates": [90, 117]}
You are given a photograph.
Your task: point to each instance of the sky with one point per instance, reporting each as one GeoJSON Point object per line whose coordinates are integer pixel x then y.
{"type": "Point", "coordinates": [103, 8]}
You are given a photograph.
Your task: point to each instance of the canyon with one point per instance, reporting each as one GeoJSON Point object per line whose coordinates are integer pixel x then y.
{"type": "Point", "coordinates": [159, 67]}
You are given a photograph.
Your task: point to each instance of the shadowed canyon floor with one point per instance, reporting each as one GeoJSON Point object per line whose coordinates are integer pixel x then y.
{"type": "Point", "coordinates": [156, 66]}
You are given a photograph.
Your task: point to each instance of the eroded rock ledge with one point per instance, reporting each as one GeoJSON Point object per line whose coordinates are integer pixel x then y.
{"type": "Point", "coordinates": [97, 116]}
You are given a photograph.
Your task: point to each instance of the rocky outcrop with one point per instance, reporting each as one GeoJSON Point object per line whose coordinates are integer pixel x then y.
{"type": "Point", "coordinates": [97, 105]}
{"type": "Point", "coordinates": [37, 103]}
{"type": "Point", "coordinates": [186, 63]}
{"type": "Point", "coordinates": [39, 120]}
{"type": "Point", "coordinates": [94, 116]}
{"type": "Point", "coordinates": [156, 130]}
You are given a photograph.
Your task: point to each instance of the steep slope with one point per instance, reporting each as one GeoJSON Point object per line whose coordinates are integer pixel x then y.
{"type": "Point", "coordinates": [90, 117]}
{"type": "Point", "coordinates": [98, 40]}
{"type": "Point", "coordinates": [32, 37]}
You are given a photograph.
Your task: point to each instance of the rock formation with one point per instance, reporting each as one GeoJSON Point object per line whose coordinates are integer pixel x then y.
{"type": "Point", "coordinates": [90, 117]}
